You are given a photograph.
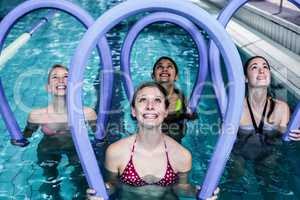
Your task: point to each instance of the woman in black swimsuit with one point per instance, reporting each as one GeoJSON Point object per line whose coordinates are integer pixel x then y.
{"type": "Point", "coordinates": [263, 121]}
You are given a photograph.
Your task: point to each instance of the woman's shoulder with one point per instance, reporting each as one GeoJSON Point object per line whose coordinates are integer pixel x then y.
{"type": "Point", "coordinates": [245, 114]}
{"type": "Point", "coordinates": [179, 155]}
{"type": "Point", "coordinates": [37, 115]}
{"type": "Point", "coordinates": [174, 145]}
{"type": "Point", "coordinates": [90, 113]}
{"type": "Point", "coordinates": [120, 147]}
{"type": "Point", "coordinates": [281, 108]}
{"type": "Point", "coordinates": [180, 95]}
{"type": "Point", "coordinates": [281, 104]}
{"type": "Point", "coordinates": [281, 112]}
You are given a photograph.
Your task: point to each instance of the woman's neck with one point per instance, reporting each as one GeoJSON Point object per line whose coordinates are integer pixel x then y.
{"type": "Point", "coordinates": [150, 138]}
{"type": "Point", "coordinates": [59, 104]}
{"type": "Point", "coordinates": [169, 87]}
{"type": "Point", "coordinates": [257, 96]}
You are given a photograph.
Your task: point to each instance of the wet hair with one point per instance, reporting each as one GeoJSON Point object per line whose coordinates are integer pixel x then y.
{"type": "Point", "coordinates": [153, 85]}
{"type": "Point", "coordinates": [54, 67]}
{"type": "Point", "coordinates": [164, 58]}
{"type": "Point", "coordinates": [246, 65]}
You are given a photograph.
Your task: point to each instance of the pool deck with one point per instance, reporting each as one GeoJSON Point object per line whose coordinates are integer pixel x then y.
{"type": "Point", "coordinates": [284, 62]}
{"type": "Point", "coordinates": [289, 11]}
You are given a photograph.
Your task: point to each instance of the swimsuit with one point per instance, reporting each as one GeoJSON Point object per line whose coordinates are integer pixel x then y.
{"type": "Point", "coordinates": [56, 142]}
{"type": "Point", "coordinates": [178, 106]}
{"type": "Point", "coordinates": [131, 177]}
{"type": "Point", "coordinates": [174, 123]}
{"type": "Point", "coordinates": [260, 146]}
{"type": "Point", "coordinates": [257, 142]}
{"type": "Point", "coordinates": [48, 130]}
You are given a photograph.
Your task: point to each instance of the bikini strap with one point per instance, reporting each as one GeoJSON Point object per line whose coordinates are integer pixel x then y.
{"type": "Point", "coordinates": [133, 146]}
{"type": "Point", "coordinates": [166, 150]}
{"type": "Point", "coordinates": [259, 128]}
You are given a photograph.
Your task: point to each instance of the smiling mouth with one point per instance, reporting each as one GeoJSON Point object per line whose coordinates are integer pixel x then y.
{"type": "Point", "coordinates": [150, 116]}
{"type": "Point", "coordinates": [164, 75]}
{"type": "Point", "coordinates": [261, 78]}
{"type": "Point", "coordinates": [61, 87]}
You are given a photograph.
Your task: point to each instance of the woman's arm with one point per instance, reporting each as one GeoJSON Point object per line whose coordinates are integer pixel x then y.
{"type": "Point", "coordinates": [184, 189]}
{"type": "Point", "coordinates": [33, 122]}
{"type": "Point", "coordinates": [111, 177]}
{"type": "Point", "coordinates": [111, 181]}
{"type": "Point", "coordinates": [91, 116]}
{"type": "Point", "coordinates": [187, 112]}
{"type": "Point", "coordinates": [27, 132]}
{"type": "Point", "coordinates": [30, 129]}
{"type": "Point", "coordinates": [284, 109]}
{"type": "Point", "coordinates": [90, 195]}
{"type": "Point", "coordinates": [93, 125]}
{"type": "Point", "coordinates": [294, 135]}
{"type": "Point", "coordinates": [284, 112]}
{"type": "Point", "coordinates": [183, 164]}
{"type": "Point", "coordinates": [111, 165]}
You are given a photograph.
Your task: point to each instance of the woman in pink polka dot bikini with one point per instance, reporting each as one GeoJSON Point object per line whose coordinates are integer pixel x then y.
{"type": "Point", "coordinates": [149, 164]}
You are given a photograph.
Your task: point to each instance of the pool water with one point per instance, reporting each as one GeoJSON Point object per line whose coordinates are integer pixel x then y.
{"type": "Point", "coordinates": [25, 75]}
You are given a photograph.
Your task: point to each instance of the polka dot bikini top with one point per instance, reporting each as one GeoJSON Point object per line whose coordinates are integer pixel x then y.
{"type": "Point", "coordinates": [131, 177]}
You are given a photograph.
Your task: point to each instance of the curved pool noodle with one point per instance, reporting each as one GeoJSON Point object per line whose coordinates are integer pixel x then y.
{"type": "Point", "coordinates": [184, 24]}
{"type": "Point", "coordinates": [105, 95]}
{"type": "Point", "coordinates": [90, 168]}
{"type": "Point", "coordinates": [214, 56]}
{"type": "Point", "coordinates": [295, 2]}
{"type": "Point", "coordinates": [294, 123]}
{"type": "Point", "coordinates": [201, 18]}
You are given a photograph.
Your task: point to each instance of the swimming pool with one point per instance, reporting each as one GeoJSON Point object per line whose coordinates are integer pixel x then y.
{"type": "Point", "coordinates": [25, 75]}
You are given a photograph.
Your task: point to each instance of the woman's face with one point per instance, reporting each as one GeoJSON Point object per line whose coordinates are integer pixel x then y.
{"type": "Point", "coordinates": [150, 109]}
{"type": "Point", "coordinates": [258, 73]}
{"type": "Point", "coordinates": [57, 84]}
{"type": "Point", "coordinates": [165, 72]}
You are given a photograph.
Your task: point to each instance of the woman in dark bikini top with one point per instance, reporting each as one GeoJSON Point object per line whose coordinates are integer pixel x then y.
{"type": "Point", "coordinates": [263, 121]}
{"type": "Point", "coordinates": [256, 141]}
{"type": "Point", "coordinates": [264, 118]}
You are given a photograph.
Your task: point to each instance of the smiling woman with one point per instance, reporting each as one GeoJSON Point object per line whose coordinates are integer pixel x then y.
{"type": "Point", "coordinates": [57, 139]}
{"type": "Point", "coordinates": [149, 160]}
{"type": "Point", "coordinates": [263, 121]}
{"type": "Point", "coordinates": [165, 72]}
